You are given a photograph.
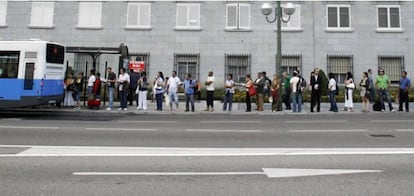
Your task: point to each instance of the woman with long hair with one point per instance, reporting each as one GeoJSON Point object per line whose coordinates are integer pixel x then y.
{"type": "Point", "coordinates": [249, 84]}
{"type": "Point", "coordinates": [159, 90]}
{"type": "Point", "coordinates": [349, 88]}
{"type": "Point", "coordinates": [364, 84]}
{"type": "Point", "coordinates": [332, 87]}
{"type": "Point", "coordinates": [274, 92]}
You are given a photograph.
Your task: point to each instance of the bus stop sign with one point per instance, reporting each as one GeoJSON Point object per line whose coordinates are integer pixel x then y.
{"type": "Point", "coordinates": [137, 66]}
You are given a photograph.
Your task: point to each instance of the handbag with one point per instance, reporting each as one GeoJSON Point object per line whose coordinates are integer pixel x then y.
{"type": "Point", "coordinates": [350, 85]}
{"type": "Point", "coordinates": [252, 91]}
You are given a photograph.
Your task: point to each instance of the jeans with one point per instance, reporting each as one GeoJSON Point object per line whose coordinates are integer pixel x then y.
{"type": "Point", "coordinates": [286, 98]}
{"type": "Point", "coordinates": [296, 102]}
{"type": "Point", "coordinates": [228, 99]}
{"type": "Point", "coordinates": [210, 99]}
{"type": "Point", "coordinates": [111, 96]}
{"type": "Point", "coordinates": [158, 97]}
{"type": "Point", "coordinates": [124, 100]}
{"type": "Point", "coordinates": [384, 94]}
{"type": "Point", "coordinates": [189, 98]}
{"type": "Point", "coordinates": [332, 99]}
{"type": "Point", "coordinates": [248, 102]}
{"type": "Point", "coordinates": [372, 95]}
{"type": "Point", "coordinates": [403, 99]}
{"type": "Point", "coordinates": [315, 99]}
{"type": "Point", "coordinates": [173, 98]}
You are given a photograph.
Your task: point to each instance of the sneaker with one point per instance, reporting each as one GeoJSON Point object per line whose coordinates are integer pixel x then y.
{"type": "Point", "coordinates": [119, 108]}
{"type": "Point", "coordinates": [382, 110]}
{"type": "Point", "coordinates": [393, 111]}
{"type": "Point", "coordinates": [77, 109]}
{"type": "Point", "coordinates": [125, 109]}
{"type": "Point", "coordinates": [108, 109]}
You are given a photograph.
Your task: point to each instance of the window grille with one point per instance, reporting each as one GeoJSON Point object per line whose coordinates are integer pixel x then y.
{"type": "Point", "coordinates": [238, 65]}
{"type": "Point", "coordinates": [392, 66]}
{"type": "Point", "coordinates": [187, 63]}
{"type": "Point", "coordinates": [339, 65]}
{"type": "Point", "coordinates": [291, 62]}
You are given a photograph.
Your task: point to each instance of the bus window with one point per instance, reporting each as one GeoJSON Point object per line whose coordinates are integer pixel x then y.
{"type": "Point", "coordinates": [28, 76]}
{"type": "Point", "coordinates": [55, 54]}
{"type": "Point", "coordinates": [9, 64]}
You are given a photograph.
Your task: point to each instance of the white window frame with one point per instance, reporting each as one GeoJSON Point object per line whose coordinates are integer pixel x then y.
{"type": "Point", "coordinates": [389, 28]}
{"type": "Point", "coordinates": [98, 14]}
{"type": "Point", "coordinates": [287, 26]}
{"type": "Point", "coordinates": [140, 7]}
{"type": "Point", "coordinates": [338, 17]}
{"type": "Point", "coordinates": [3, 13]}
{"type": "Point", "coordinates": [188, 26]}
{"type": "Point", "coordinates": [46, 14]}
{"type": "Point", "coordinates": [238, 26]}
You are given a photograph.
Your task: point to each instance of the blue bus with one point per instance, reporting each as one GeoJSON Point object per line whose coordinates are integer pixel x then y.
{"type": "Point", "coordinates": [31, 73]}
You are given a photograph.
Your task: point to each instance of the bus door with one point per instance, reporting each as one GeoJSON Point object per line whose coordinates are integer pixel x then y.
{"type": "Point", "coordinates": [28, 80]}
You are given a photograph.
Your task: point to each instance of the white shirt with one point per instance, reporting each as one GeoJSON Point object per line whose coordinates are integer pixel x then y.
{"type": "Point", "coordinates": [230, 83]}
{"type": "Point", "coordinates": [210, 87]}
{"type": "Point", "coordinates": [332, 84]}
{"type": "Point", "coordinates": [122, 78]}
{"type": "Point", "coordinates": [173, 84]}
{"type": "Point", "coordinates": [293, 83]}
{"type": "Point", "coordinates": [91, 80]}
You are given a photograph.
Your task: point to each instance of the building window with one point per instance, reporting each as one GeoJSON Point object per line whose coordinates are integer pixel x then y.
{"type": "Point", "coordinates": [238, 16]}
{"type": "Point", "coordinates": [188, 17]}
{"type": "Point", "coordinates": [139, 16]}
{"type": "Point", "coordinates": [187, 63]}
{"type": "Point", "coordinates": [291, 63]}
{"type": "Point", "coordinates": [339, 65]}
{"type": "Point", "coordinates": [338, 17]}
{"type": "Point", "coordinates": [239, 65]}
{"type": "Point", "coordinates": [42, 15]}
{"type": "Point", "coordinates": [90, 15]}
{"type": "Point", "coordinates": [392, 66]}
{"type": "Point", "coordinates": [389, 18]}
{"type": "Point", "coordinates": [3, 13]}
{"type": "Point", "coordinates": [294, 22]}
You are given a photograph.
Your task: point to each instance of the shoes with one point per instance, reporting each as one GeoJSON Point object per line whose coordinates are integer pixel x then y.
{"type": "Point", "coordinates": [393, 110]}
{"type": "Point", "coordinates": [125, 109]}
{"type": "Point", "coordinates": [382, 110]}
{"type": "Point", "coordinates": [119, 108]}
{"type": "Point", "coordinates": [206, 110]}
{"type": "Point", "coordinates": [186, 110]}
{"type": "Point", "coordinates": [400, 110]}
{"type": "Point", "coordinates": [108, 109]}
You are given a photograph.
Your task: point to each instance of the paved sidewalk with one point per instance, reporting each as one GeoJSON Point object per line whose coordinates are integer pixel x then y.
{"type": "Point", "coordinates": [238, 108]}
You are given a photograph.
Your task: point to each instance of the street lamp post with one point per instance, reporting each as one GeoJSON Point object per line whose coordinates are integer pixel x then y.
{"type": "Point", "coordinates": [288, 9]}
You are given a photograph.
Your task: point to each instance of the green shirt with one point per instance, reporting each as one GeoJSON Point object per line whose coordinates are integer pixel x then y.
{"type": "Point", "coordinates": [382, 82]}
{"type": "Point", "coordinates": [287, 83]}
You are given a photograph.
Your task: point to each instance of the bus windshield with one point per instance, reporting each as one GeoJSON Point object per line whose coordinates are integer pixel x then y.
{"type": "Point", "coordinates": [9, 64]}
{"type": "Point", "coordinates": [55, 54]}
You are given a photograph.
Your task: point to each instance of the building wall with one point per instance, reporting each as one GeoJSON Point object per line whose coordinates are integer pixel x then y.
{"type": "Point", "coordinates": [313, 42]}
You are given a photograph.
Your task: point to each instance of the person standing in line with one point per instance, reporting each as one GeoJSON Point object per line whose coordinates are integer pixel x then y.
{"type": "Point", "coordinates": [229, 91]}
{"type": "Point", "coordinates": [91, 81]}
{"type": "Point", "coordinates": [405, 85]}
{"type": "Point", "coordinates": [79, 89]}
{"type": "Point", "coordinates": [266, 87]}
{"type": "Point", "coordinates": [123, 88]}
{"type": "Point", "coordinates": [111, 87]}
{"type": "Point", "coordinates": [249, 84]}
{"type": "Point", "coordinates": [383, 83]}
{"type": "Point", "coordinates": [315, 83]}
{"type": "Point", "coordinates": [210, 92]}
{"type": "Point", "coordinates": [189, 85]}
{"type": "Point", "coordinates": [371, 87]}
{"type": "Point", "coordinates": [332, 87]}
{"type": "Point", "coordinates": [198, 91]}
{"type": "Point", "coordinates": [274, 92]}
{"type": "Point", "coordinates": [97, 85]}
{"type": "Point", "coordinates": [133, 87]}
{"type": "Point", "coordinates": [296, 95]}
{"type": "Point", "coordinates": [349, 88]}
{"type": "Point", "coordinates": [69, 90]}
{"type": "Point", "coordinates": [260, 83]}
{"type": "Point", "coordinates": [142, 91]}
{"type": "Point", "coordinates": [173, 84]}
{"type": "Point", "coordinates": [159, 90]}
{"type": "Point", "coordinates": [286, 86]}
{"type": "Point", "coordinates": [365, 90]}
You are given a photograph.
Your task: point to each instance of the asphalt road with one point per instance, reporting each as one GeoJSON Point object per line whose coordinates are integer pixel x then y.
{"type": "Point", "coordinates": [206, 154]}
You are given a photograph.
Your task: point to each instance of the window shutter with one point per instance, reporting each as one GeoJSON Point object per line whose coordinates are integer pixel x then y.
{"type": "Point", "coordinates": [193, 15]}
{"type": "Point", "coordinates": [344, 16]}
{"type": "Point", "coordinates": [333, 17]}
{"type": "Point", "coordinates": [181, 15]}
{"type": "Point", "coordinates": [232, 16]}
{"type": "Point", "coordinates": [382, 18]}
{"type": "Point", "coordinates": [132, 15]}
{"type": "Point", "coordinates": [36, 14]}
{"type": "Point", "coordinates": [144, 14]}
{"type": "Point", "coordinates": [3, 12]}
{"type": "Point", "coordinates": [90, 14]}
{"type": "Point", "coordinates": [244, 16]}
{"type": "Point", "coordinates": [395, 17]}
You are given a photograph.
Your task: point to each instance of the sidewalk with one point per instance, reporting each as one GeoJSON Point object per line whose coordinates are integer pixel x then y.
{"type": "Point", "coordinates": [238, 108]}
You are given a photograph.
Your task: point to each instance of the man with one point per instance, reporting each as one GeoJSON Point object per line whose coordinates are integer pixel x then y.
{"type": "Point", "coordinates": [134, 76]}
{"type": "Point", "coordinates": [405, 85]}
{"type": "Point", "coordinates": [315, 83]}
{"type": "Point", "coordinates": [210, 91]}
{"type": "Point", "coordinates": [296, 95]}
{"type": "Point", "coordinates": [189, 85]}
{"type": "Point", "coordinates": [173, 84]}
{"type": "Point", "coordinates": [382, 84]}
{"type": "Point", "coordinates": [111, 87]}
{"type": "Point", "coordinates": [91, 81]}
{"type": "Point", "coordinates": [286, 86]}
{"type": "Point", "coordinates": [266, 88]}
{"type": "Point", "coordinates": [260, 83]}
{"type": "Point", "coordinates": [123, 87]}
{"type": "Point", "coordinates": [371, 87]}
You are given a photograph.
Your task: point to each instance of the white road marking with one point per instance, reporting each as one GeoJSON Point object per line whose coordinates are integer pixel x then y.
{"type": "Point", "coordinates": [146, 121]}
{"type": "Point", "coordinates": [224, 130]}
{"type": "Point", "coordinates": [230, 121]}
{"type": "Point", "coordinates": [27, 127]}
{"type": "Point", "coordinates": [392, 121]}
{"type": "Point", "coordinates": [316, 121]}
{"type": "Point", "coordinates": [405, 130]}
{"type": "Point", "coordinates": [328, 130]}
{"type": "Point", "coordinates": [91, 151]}
{"type": "Point", "coordinates": [269, 172]}
{"type": "Point", "coordinates": [11, 119]}
{"type": "Point", "coordinates": [119, 129]}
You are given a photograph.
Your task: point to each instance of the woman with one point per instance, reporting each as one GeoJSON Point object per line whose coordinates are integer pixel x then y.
{"type": "Point", "coordinates": [142, 91]}
{"type": "Point", "coordinates": [349, 88]}
{"type": "Point", "coordinates": [364, 84]}
{"type": "Point", "coordinates": [332, 86]}
{"type": "Point", "coordinates": [159, 90]}
{"type": "Point", "coordinates": [248, 85]}
{"type": "Point", "coordinates": [229, 91]}
{"type": "Point", "coordinates": [78, 89]}
{"type": "Point", "coordinates": [274, 89]}
{"type": "Point", "coordinates": [69, 90]}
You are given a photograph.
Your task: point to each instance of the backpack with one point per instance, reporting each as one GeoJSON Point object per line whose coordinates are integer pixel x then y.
{"type": "Point", "coordinates": [301, 85]}
{"type": "Point", "coordinates": [195, 88]}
